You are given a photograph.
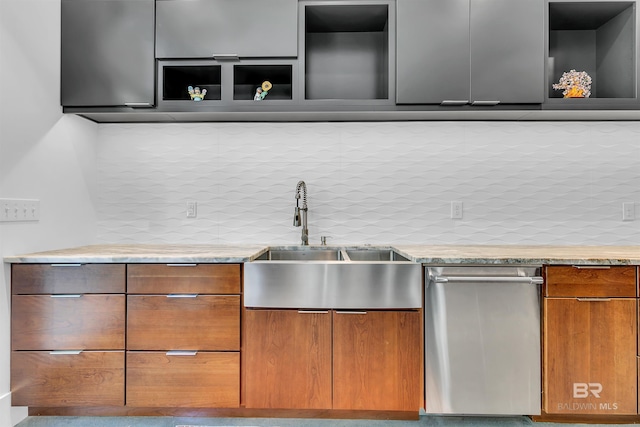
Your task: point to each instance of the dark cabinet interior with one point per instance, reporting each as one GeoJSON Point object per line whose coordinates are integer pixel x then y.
{"type": "Point", "coordinates": [596, 37]}
{"type": "Point", "coordinates": [176, 80]}
{"type": "Point", "coordinates": [247, 78]}
{"type": "Point", "coordinates": [346, 51]}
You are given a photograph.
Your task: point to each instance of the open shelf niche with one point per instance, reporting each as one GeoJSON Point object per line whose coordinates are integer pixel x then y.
{"type": "Point", "coordinates": [346, 51]}
{"type": "Point", "coordinates": [177, 78]}
{"type": "Point", "coordinates": [596, 37]}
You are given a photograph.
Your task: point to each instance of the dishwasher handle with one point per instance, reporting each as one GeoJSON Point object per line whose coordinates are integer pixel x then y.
{"type": "Point", "coordinates": [535, 280]}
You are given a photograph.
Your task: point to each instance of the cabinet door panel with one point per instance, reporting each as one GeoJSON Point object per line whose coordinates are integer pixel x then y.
{"type": "Point", "coordinates": [203, 380]}
{"type": "Point", "coordinates": [202, 28]}
{"type": "Point", "coordinates": [85, 379]}
{"type": "Point", "coordinates": [585, 281]}
{"type": "Point", "coordinates": [432, 51]}
{"type": "Point", "coordinates": [68, 279]}
{"type": "Point", "coordinates": [288, 359]}
{"type": "Point", "coordinates": [507, 51]}
{"type": "Point", "coordinates": [183, 278]}
{"type": "Point", "coordinates": [590, 356]}
{"type": "Point", "coordinates": [107, 52]}
{"type": "Point", "coordinates": [206, 322]}
{"type": "Point", "coordinates": [41, 322]}
{"type": "Point", "coordinates": [376, 361]}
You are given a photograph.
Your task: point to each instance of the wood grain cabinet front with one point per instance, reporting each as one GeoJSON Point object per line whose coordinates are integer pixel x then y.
{"type": "Point", "coordinates": [590, 341]}
{"type": "Point", "coordinates": [183, 335]}
{"type": "Point", "coordinates": [189, 322]}
{"type": "Point", "coordinates": [376, 360]}
{"type": "Point", "coordinates": [67, 378]}
{"type": "Point", "coordinates": [339, 360]}
{"type": "Point", "coordinates": [68, 334]}
{"type": "Point", "coordinates": [183, 379]}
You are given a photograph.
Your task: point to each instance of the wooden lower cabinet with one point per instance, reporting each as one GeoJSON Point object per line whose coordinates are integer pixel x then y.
{"type": "Point", "coordinates": [199, 380]}
{"type": "Point", "coordinates": [89, 378]}
{"type": "Point", "coordinates": [58, 322]}
{"type": "Point", "coordinates": [338, 360]}
{"type": "Point", "coordinates": [590, 356]}
{"type": "Point", "coordinates": [376, 360]}
{"type": "Point", "coordinates": [288, 359]}
{"type": "Point", "coordinates": [202, 322]}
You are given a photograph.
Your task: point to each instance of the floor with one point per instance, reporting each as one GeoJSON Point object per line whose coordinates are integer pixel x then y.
{"type": "Point", "coordinates": [428, 420]}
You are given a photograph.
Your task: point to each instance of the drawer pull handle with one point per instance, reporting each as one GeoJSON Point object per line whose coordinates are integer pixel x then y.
{"type": "Point", "coordinates": [182, 296]}
{"type": "Point", "coordinates": [592, 267]}
{"type": "Point", "coordinates": [351, 312]}
{"type": "Point", "coordinates": [182, 265]}
{"type": "Point", "coordinates": [313, 311]}
{"type": "Point", "coordinates": [65, 352]}
{"type": "Point", "coordinates": [226, 56]}
{"type": "Point", "coordinates": [66, 265]}
{"type": "Point", "coordinates": [454, 102]}
{"type": "Point", "coordinates": [593, 299]}
{"type": "Point", "coordinates": [66, 296]}
{"type": "Point", "coordinates": [181, 353]}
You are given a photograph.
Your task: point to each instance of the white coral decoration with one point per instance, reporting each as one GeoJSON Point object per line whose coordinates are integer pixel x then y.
{"type": "Point", "coordinates": [575, 80]}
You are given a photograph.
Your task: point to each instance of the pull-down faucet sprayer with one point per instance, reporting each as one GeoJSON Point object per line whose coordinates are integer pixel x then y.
{"type": "Point", "coordinates": [300, 216]}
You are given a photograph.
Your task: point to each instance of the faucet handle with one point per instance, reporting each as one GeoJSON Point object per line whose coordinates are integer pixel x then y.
{"type": "Point", "coordinates": [323, 240]}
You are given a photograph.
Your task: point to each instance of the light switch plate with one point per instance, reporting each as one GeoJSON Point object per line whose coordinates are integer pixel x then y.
{"type": "Point", "coordinates": [192, 209]}
{"type": "Point", "coordinates": [15, 210]}
{"type": "Point", "coordinates": [628, 211]}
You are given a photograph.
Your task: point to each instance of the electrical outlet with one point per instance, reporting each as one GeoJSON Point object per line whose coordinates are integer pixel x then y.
{"type": "Point", "coordinates": [192, 209]}
{"type": "Point", "coordinates": [456, 210]}
{"type": "Point", "coordinates": [13, 210]}
{"type": "Point", "coordinates": [628, 211]}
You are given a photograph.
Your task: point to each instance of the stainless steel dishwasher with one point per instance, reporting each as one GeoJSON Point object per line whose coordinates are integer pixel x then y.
{"type": "Point", "coordinates": [482, 338]}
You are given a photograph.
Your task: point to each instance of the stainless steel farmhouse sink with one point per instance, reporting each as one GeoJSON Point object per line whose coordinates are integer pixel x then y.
{"type": "Point", "coordinates": [332, 278]}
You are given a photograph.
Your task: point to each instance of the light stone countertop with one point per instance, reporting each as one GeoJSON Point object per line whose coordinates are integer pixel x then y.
{"type": "Point", "coordinates": [426, 254]}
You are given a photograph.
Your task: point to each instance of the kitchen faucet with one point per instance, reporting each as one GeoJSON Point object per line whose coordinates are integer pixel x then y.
{"type": "Point", "coordinates": [300, 216]}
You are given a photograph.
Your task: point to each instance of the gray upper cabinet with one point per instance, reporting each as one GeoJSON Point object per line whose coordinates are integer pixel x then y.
{"type": "Point", "coordinates": [482, 52]}
{"type": "Point", "coordinates": [507, 51]}
{"type": "Point", "coordinates": [432, 51]}
{"type": "Point", "coordinates": [206, 28]}
{"type": "Point", "coordinates": [107, 54]}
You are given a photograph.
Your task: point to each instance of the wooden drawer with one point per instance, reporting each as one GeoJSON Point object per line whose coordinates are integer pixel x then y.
{"type": "Point", "coordinates": [586, 281]}
{"type": "Point", "coordinates": [68, 278]}
{"type": "Point", "coordinates": [183, 278]}
{"type": "Point", "coordinates": [85, 379]}
{"type": "Point", "coordinates": [204, 322]}
{"type": "Point", "coordinates": [203, 380]}
{"type": "Point", "coordinates": [44, 322]}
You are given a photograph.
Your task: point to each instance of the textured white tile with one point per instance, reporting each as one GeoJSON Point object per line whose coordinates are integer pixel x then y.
{"type": "Point", "coordinates": [520, 182]}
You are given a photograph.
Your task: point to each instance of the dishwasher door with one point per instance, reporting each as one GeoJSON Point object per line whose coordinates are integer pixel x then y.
{"type": "Point", "coordinates": [482, 338]}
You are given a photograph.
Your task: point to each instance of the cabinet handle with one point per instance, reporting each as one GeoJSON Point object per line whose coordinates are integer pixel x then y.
{"type": "Point", "coordinates": [351, 312]}
{"type": "Point", "coordinates": [593, 299]}
{"type": "Point", "coordinates": [182, 265]}
{"type": "Point", "coordinates": [65, 352]}
{"type": "Point", "coordinates": [182, 296]}
{"type": "Point", "coordinates": [66, 265]}
{"type": "Point", "coordinates": [485, 103]}
{"type": "Point", "coordinates": [592, 267]}
{"type": "Point", "coordinates": [313, 311]}
{"type": "Point", "coordinates": [226, 56]}
{"type": "Point", "coordinates": [454, 102]}
{"type": "Point", "coordinates": [66, 296]}
{"type": "Point", "coordinates": [137, 104]}
{"type": "Point", "coordinates": [181, 353]}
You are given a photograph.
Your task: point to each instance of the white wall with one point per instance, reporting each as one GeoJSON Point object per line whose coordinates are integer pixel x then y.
{"type": "Point", "coordinates": [520, 182]}
{"type": "Point", "coordinates": [43, 154]}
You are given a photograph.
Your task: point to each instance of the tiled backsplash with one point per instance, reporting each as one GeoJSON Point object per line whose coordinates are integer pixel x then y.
{"type": "Point", "coordinates": [520, 182]}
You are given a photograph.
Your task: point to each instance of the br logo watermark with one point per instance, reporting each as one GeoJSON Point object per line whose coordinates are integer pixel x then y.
{"type": "Point", "coordinates": [583, 390]}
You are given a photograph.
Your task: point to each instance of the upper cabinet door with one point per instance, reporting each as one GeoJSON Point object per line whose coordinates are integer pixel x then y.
{"type": "Point", "coordinates": [432, 51]}
{"type": "Point", "coordinates": [206, 28]}
{"type": "Point", "coordinates": [107, 53]}
{"type": "Point", "coordinates": [464, 51]}
{"type": "Point", "coordinates": [507, 51]}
